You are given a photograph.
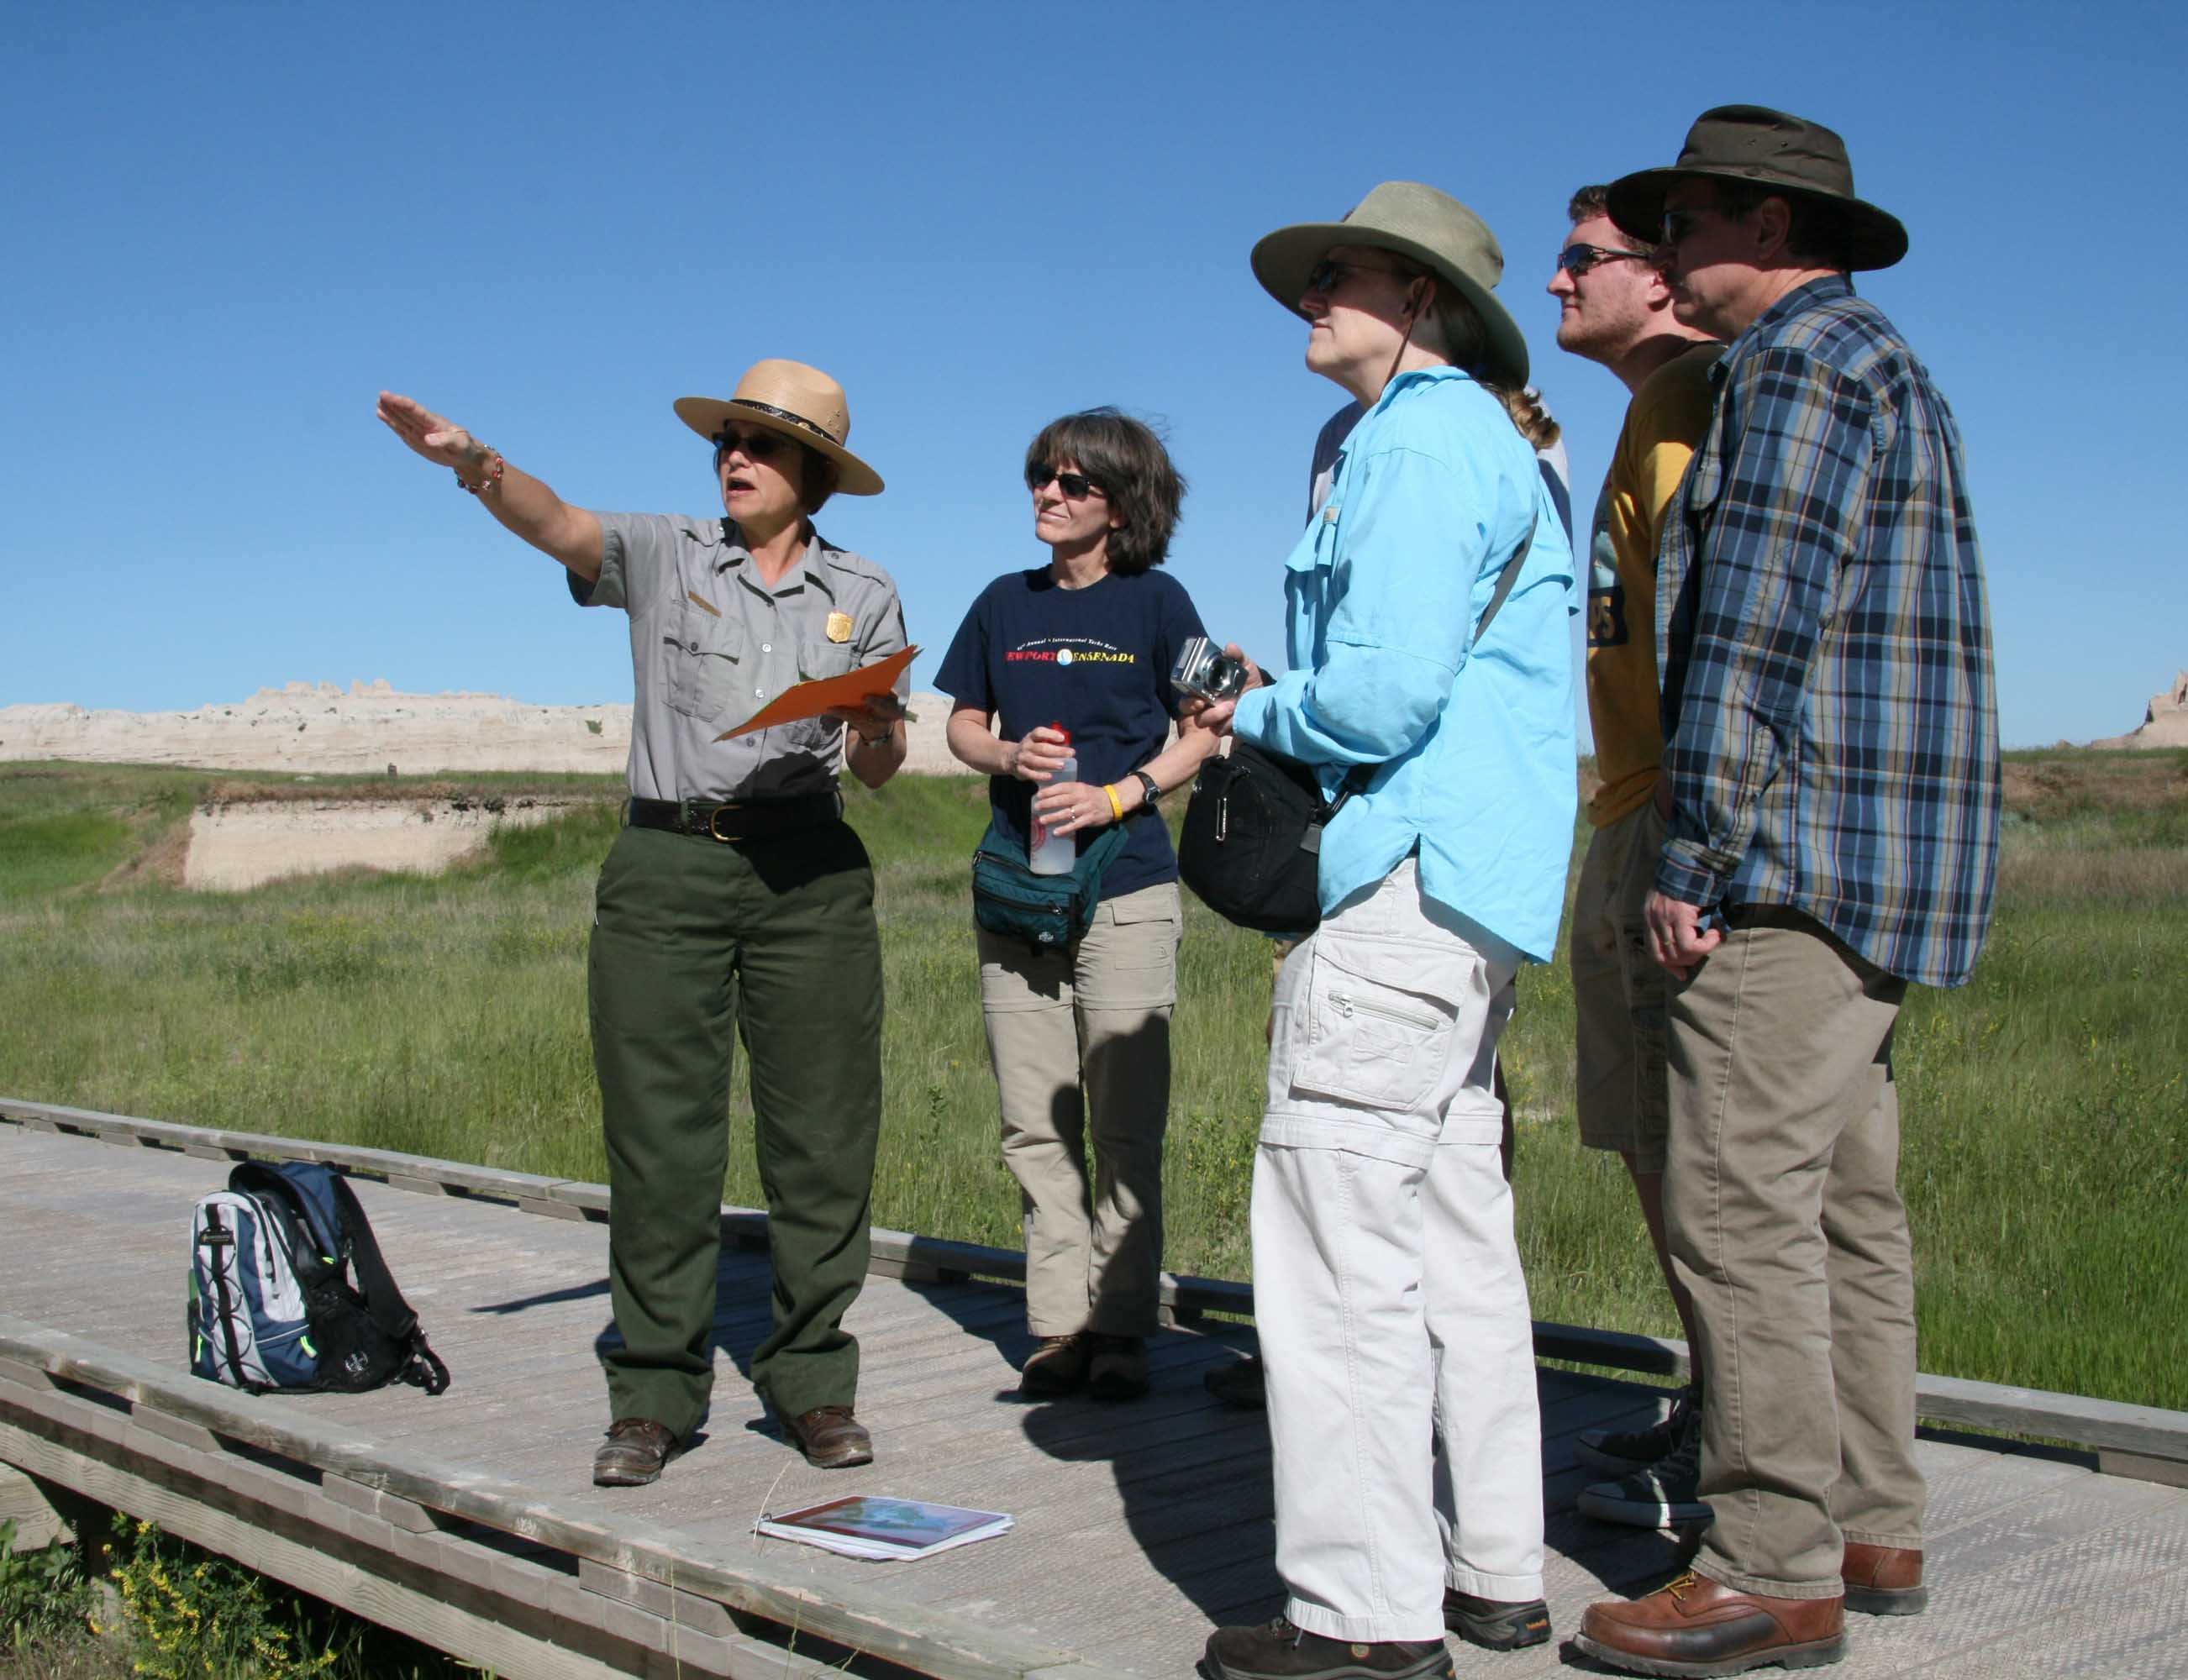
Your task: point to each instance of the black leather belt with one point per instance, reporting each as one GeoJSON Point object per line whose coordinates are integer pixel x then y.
{"type": "Point", "coordinates": [736, 819]}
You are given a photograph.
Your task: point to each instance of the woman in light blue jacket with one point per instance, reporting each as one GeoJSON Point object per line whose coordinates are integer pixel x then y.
{"type": "Point", "coordinates": [1431, 672]}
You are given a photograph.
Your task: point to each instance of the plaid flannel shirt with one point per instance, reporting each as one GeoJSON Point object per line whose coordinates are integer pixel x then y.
{"type": "Point", "coordinates": [1831, 730]}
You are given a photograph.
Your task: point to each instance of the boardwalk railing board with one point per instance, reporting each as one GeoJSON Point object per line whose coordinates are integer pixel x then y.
{"type": "Point", "coordinates": [24, 1503]}
{"type": "Point", "coordinates": [45, 1372]}
{"type": "Point", "coordinates": [2148, 1442]}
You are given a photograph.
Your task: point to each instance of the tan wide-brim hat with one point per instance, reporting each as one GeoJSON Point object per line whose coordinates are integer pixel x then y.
{"type": "Point", "coordinates": [800, 403]}
{"type": "Point", "coordinates": [1769, 149]}
{"type": "Point", "coordinates": [1429, 227]}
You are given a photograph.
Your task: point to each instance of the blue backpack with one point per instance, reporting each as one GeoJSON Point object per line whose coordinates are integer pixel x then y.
{"type": "Point", "coordinates": [271, 1303]}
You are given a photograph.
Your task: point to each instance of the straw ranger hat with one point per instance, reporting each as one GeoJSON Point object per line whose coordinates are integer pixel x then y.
{"type": "Point", "coordinates": [800, 403]}
{"type": "Point", "coordinates": [1769, 148]}
{"type": "Point", "coordinates": [1431, 229]}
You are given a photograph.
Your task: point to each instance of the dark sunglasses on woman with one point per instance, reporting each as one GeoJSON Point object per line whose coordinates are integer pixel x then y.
{"type": "Point", "coordinates": [756, 445]}
{"type": "Point", "coordinates": [1077, 486]}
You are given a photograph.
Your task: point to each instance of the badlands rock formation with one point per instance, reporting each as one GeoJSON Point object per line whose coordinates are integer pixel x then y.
{"type": "Point", "coordinates": [2165, 724]}
{"type": "Point", "coordinates": [319, 728]}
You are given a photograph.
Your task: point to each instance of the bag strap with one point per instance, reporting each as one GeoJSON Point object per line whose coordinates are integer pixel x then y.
{"type": "Point", "coordinates": [214, 1231]}
{"type": "Point", "coordinates": [1508, 576]}
{"type": "Point", "coordinates": [382, 1299]}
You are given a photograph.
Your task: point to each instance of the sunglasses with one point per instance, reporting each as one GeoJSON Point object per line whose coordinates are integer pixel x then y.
{"type": "Point", "coordinates": [756, 445]}
{"type": "Point", "coordinates": [1579, 259]}
{"type": "Point", "coordinates": [1678, 223]}
{"type": "Point", "coordinates": [1077, 486]}
{"type": "Point", "coordinates": [1328, 274]}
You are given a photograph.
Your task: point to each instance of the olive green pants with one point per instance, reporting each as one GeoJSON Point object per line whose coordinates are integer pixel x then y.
{"type": "Point", "coordinates": [774, 938]}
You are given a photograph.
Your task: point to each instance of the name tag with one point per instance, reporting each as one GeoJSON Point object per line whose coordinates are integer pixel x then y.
{"type": "Point", "coordinates": [839, 627]}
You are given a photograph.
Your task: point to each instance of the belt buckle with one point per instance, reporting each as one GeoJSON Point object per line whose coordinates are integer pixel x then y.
{"type": "Point", "coordinates": [715, 818]}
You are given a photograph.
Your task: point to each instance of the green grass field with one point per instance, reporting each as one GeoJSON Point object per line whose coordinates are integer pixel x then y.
{"type": "Point", "coordinates": [2045, 1112]}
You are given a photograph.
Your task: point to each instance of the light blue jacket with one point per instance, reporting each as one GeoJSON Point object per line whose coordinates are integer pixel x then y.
{"type": "Point", "coordinates": [1434, 491]}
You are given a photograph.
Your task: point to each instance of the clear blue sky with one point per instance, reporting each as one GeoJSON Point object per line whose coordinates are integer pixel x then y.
{"type": "Point", "coordinates": [228, 226]}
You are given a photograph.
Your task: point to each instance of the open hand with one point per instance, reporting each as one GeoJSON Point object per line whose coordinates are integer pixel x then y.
{"type": "Point", "coordinates": [440, 441]}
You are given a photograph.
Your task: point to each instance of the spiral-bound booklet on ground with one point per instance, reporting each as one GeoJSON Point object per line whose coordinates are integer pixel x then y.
{"type": "Point", "coordinates": [867, 1525]}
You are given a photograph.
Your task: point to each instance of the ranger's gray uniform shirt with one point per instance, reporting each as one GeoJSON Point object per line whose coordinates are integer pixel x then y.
{"type": "Point", "coordinates": [711, 644]}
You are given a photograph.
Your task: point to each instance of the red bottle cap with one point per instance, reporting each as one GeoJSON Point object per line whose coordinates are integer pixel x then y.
{"type": "Point", "coordinates": [1063, 731]}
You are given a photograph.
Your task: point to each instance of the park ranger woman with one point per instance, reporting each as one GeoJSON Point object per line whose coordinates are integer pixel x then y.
{"type": "Point", "coordinates": [735, 899]}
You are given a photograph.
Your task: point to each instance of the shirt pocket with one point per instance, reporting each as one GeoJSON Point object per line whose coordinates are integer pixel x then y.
{"type": "Point", "coordinates": [703, 654]}
{"type": "Point", "coordinates": [1370, 1041]}
{"type": "Point", "coordinates": [817, 659]}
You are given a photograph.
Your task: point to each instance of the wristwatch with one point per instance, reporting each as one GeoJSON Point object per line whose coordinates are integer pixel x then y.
{"type": "Point", "coordinates": [1147, 782]}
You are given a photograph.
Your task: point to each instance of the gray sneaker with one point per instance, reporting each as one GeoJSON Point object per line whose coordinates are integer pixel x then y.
{"type": "Point", "coordinates": [1660, 1496]}
{"type": "Point", "coordinates": [1616, 1452]}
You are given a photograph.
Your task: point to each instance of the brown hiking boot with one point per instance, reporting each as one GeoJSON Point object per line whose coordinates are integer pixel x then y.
{"type": "Point", "coordinates": [830, 1437]}
{"type": "Point", "coordinates": [1057, 1367]}
{"type": "Point", "coordinates": [1116, 1367]}
{"type": "Point", "coordinates": [634, 1453]}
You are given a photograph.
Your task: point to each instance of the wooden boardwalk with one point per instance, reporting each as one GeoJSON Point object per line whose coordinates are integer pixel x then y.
{"type": "Point", "coordinates": [470, 1520]}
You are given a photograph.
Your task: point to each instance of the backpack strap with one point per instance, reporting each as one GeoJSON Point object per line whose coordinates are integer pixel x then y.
{"type": "Point", "coordinates": [382, 1299]}
{"type": "Point", "coordinates": [217, 1236]}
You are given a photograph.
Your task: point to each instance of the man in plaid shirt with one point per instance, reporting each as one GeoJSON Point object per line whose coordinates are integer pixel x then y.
{"type": "Point", "coordinates": [1831, 754]}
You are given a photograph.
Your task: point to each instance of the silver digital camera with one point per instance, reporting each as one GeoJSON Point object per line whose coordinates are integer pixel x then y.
{"type": "Point", "coordinates": [1205, 670]}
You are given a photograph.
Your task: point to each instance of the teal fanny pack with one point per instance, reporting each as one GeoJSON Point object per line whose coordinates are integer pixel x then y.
{"type": "Point", "coordinates": [1047, 911]}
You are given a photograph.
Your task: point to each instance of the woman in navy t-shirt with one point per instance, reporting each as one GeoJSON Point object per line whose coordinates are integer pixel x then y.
{"type": "Point", "coordinates": [1079, 1037]}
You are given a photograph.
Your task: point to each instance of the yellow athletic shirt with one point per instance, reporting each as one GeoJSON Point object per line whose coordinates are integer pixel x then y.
{"type": "Point", "coordinates": [1664, 423]}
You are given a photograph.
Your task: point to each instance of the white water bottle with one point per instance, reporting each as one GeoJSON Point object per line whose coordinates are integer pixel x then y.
{"type": "Point", "coordinates": [1055, 853]}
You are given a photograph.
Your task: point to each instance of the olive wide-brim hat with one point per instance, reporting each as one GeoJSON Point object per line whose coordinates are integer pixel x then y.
{"type": "Point", "coordinates": [1769, 148]}
{"type": "Point", "coordinates": [801, 403]}
{"type": "Point", "coordinates": [1427, 226]}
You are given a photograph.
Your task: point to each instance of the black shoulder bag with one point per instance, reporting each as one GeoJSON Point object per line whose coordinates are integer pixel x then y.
{"type": "Point", "coordinates": [1250, 845]}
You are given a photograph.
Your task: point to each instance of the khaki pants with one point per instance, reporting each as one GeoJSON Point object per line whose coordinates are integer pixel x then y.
{"type": "Point", "coordinates": [1782, 1206]}
{"type": "Point", "coordinates": [1618, 992]}
{"type": "Point", "coordinates": [1081, 1042]}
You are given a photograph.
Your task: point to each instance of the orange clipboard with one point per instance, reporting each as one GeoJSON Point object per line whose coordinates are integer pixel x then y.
{"type": "Point", "coordinates": [854, 688]}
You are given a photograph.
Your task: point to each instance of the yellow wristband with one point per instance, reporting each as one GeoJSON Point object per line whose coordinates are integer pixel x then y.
{"type": "Point", "coordinates": [1116, 806]}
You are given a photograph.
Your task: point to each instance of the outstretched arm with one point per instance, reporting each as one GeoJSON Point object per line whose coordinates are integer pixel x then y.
{"type": "Point", "coordinates": [519, 501]}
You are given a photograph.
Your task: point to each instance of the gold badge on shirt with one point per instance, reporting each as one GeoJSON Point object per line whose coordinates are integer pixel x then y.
{"type": "Point", "coordinates": [839, 627]}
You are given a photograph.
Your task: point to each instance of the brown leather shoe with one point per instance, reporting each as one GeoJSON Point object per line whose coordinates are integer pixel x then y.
{"type": "Point", "coordinates": [1884, 1580]}
{"type": "Point", "coordinates": [1694, 1626]}
{"type": "Point", "coordinates": [831, 1437]}
{"type": "Point", "coordinates": [634, 1453]}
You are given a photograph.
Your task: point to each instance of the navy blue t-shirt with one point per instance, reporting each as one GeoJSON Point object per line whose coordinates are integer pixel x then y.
{"type": "Point", "coordinates": [1097, 661]}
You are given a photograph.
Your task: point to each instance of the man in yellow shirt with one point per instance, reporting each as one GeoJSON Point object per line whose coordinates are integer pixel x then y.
{"type": "Point", "coordinates": [1615, 310]}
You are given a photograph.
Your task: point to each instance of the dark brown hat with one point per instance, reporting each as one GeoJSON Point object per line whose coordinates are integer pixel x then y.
{"type": "Point", "coordinates": [1789, 154]}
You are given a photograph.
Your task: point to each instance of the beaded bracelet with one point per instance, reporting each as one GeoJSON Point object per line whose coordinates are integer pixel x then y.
{"type": "Point", "coordinates": [491, 481]}
{"type": "Point", "coordinates": [1116, 805]}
